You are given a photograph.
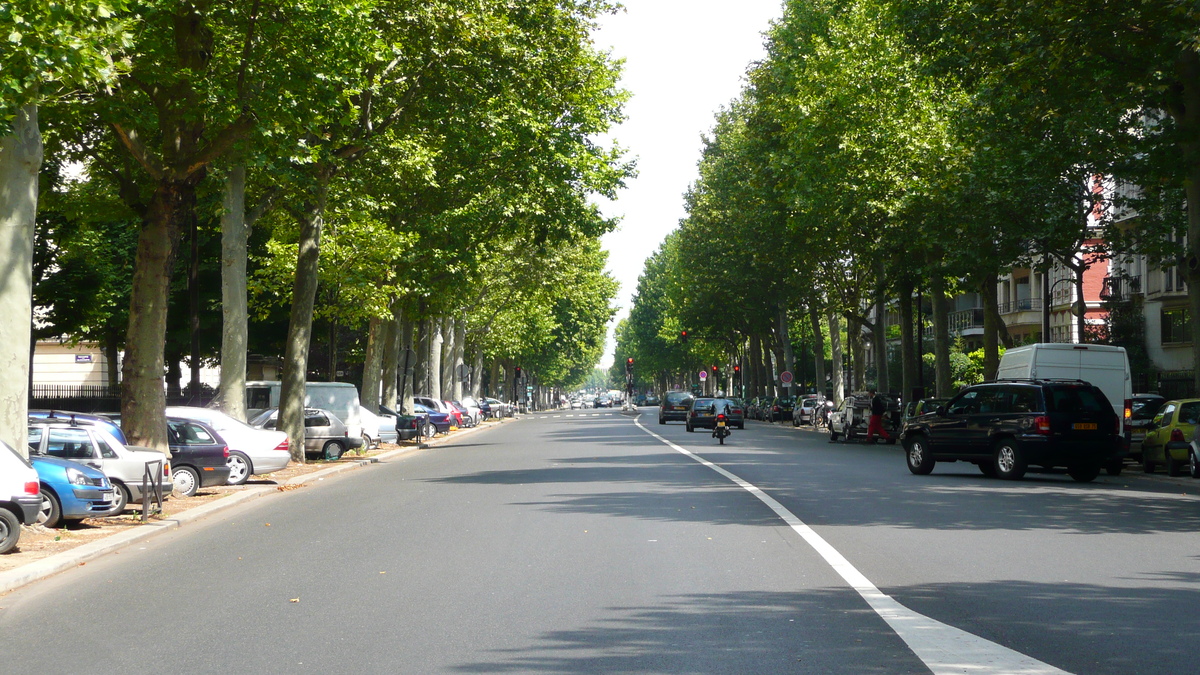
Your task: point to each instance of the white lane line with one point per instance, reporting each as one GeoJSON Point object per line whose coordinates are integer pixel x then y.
{"type": "Point", "coordinates": [570, 415]}
{"type": "Point", "coordinates": [944, 649]}
{"type": "Point", "coordinates": [557, 416]}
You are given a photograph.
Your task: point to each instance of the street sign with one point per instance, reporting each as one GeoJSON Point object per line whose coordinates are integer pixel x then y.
{"type": "Point", "coordinates": [786, 377]}
{"type": "Point", "coordinates": [704, 375]}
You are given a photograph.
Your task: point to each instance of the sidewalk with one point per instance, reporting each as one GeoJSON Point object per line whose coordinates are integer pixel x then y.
{"type": "Point", "coordinates": [43, 552]}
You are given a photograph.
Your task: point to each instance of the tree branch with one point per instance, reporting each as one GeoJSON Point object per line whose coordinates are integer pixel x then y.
{"type": "Point", "coordinates": [133, 144]}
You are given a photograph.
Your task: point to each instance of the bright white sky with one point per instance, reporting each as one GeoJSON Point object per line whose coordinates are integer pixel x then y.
{"type": "Point", "coordinates": [684, 59]}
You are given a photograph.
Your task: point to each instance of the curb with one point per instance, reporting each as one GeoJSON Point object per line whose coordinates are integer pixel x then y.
{"type": "Point", "coordinates": [81, 555]}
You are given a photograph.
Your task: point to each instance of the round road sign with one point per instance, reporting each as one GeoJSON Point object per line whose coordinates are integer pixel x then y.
{"type": "Point", "coordinates": [786, 377]}
{"type": "Point", "coordinates": [704, 375]}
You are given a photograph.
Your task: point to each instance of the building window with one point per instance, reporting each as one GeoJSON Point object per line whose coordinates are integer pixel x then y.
{"type": "Point", "coordinates": [1175, 326]}
{"type": "Point", "coordinates": [1169, 279]}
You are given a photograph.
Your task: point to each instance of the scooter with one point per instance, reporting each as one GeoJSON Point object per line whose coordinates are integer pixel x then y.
{"type": "Point", "coordinates": [721, 428]}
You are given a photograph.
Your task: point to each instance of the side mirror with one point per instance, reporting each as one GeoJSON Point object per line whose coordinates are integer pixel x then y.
{"type": "Point", "coordinates": [941, 411]}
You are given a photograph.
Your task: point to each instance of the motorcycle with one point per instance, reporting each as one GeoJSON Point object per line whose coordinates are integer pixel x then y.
{"type": "Point", "coordinates": [721, 428]}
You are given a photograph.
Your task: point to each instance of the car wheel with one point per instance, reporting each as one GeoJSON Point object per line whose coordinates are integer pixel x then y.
{"type": "Point", "coordinates": [1084, 473]}
{"type": "Point", "coordinates": [988, 469]}
{"type": "Point", "coordinates": [1115, 467]}
{"type": "Point", "coordinates": [120, 498]}
{"type": "Point", "coordinates": [333, 450]}
{"type": "Point", "coordinates": [832, 436]}
{"type": "Point", "coordinates": [1147, 465]}
{"type": "Point", "coordinates": [689, 427]}
{"type": "Point", "coordinates": [10, 530]}
{"type": "Point", "coordinates": [916, 453]}
{"type": "Point", "coordinates": [367, 442]}
{"type": "Point", "coordinates": [1174, 466]}
{"type": "Point", "coordinates": [51, 512]}
{"type": "Point", "coordinates": [240, 468]}
{"type": "Point", "coordinates": [186, 480]}
{"type": "Point", "coordinates": [1010, 463]}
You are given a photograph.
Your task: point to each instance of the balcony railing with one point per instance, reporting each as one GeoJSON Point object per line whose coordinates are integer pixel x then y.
{"type": "Point", "coordinates": [1119, 289]}
{"type": "Point", "coordinates": [1024, 305]}
{"type": "Point", "coordinates": [960, 321]}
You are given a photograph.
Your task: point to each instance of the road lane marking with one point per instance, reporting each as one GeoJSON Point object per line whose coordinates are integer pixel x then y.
{"type": "Point", "coordinates": [944, 649]}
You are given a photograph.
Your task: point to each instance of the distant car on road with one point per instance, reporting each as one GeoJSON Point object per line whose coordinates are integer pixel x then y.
{"type": "Point", "coordinates": [675, 406]}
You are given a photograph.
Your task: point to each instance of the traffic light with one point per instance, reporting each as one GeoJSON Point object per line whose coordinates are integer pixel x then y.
{"type": "Point", "coordinates": [629, 365]}
{"type": "Point", "coordinates": [737, 371]}
{"type": "Point", "coordinates": [683, 336]}
{"type": "Point", "coordinates": [716, 371]}
{"type": "Point", "coordinates": [517, 373]}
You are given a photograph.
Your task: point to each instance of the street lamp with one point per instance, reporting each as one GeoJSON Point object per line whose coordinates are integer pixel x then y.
{"type": "Point", "coordinates": [1079, 310]}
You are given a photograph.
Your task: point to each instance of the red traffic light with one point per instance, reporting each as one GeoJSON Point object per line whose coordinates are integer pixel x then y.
{"type": "Point", "coordinates": [683, 335]}
{"type": "Point", "coordinates": [737, 369]}
{"type": "Point", "coordinates": [629, 360]}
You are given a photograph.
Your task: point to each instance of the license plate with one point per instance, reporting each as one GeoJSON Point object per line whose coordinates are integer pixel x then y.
{"type": "Point", "coordinates": [720, 424]}
{"type": "Point", "coordinates": [1084, 426]}
{"type": "Point", "coordinates": [679, 407]}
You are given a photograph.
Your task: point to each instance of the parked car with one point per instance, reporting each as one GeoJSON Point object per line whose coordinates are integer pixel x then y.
{"type": "Point", "coordinates": [324, 432]}
{"type": "Point", "coordinates": [437, 420]}
{"type": "Point", "coordinates": [69, 491]}
{"type": "Point", "coordinates": [499, 408]}
{"type": "Point", "coordinates": [93, 446]}
{"type": "Point", "coordinates": [340, 398]}
{"type": "Point", "coordinates": [199, 456]}
{"type": "Point", "coordinates": [377, 429]}
{"type": "Point", "coordinates": [252, 451]}
{"type": "Point", "coordinates": [675, 406]}
{"type": "Point", "coordinates": [20, 496]}
{"type": "Point", "coordinates": [1142, 409]}
{"type": "Point", "coordinates": [405, 427]}
{"type": "Point", "coordinates": [468, 420]}
{"type": "Point", "coordinates": [442, 407]}
{"type": "Point", "coordinates": [108, 423]}
{"type": "Point", "coordinates": [1168, 438]}
{"type": "Point", "coordinates": [1006, 427]}
{"type": "Point", "coordinates": [851, 418]}
{"type": "Point", "coordinates": [802, 413]}
{"type": "Point", "coordinates": [479, 409]}
{"type": "Point", "coordinates": [780, 409]}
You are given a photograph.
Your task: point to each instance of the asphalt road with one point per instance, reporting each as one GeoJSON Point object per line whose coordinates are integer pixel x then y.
{"type": "Point", "coordinates": [586, 544]}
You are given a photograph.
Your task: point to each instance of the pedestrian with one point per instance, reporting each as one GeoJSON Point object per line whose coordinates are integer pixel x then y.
{"type": "Point", "coordinates": [878, 407]}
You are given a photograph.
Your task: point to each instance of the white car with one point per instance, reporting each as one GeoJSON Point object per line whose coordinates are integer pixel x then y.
{"type": "Point", "coordinates": [251, 451]}
{"type": "Point", "coordinates": [125, 466]}
{"type": "Point", "coordinates": [19, 498]}
{"type": "Point", "coordinates": [379, 428]}
{"type": "Point", "coordinates": [473, 409]}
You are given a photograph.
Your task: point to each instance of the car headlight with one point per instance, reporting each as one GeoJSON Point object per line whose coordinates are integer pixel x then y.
{"type": "Point", "coordinates": [77, 477]}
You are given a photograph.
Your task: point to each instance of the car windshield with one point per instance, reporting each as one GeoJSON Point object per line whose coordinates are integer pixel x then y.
{"type": "Point", "coordinates": [677, 397]}
{"type": "Point", "coordinates": [1146, 408]}
{"type": "Point", "coordinates": [1071, 399]}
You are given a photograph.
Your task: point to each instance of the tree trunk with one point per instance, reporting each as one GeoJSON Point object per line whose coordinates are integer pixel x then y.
{"type": "Point", "coordinates": [231, 393]}
{"type": "Point", "coordinates": [20, 161]}
{"type": "Point", "coordinates": [391, 359]}
{"type": "Point", "coordinates": [835, 346]}
{"type": "Point", "coordinates": [193, 288]}
{"type": "Point", "coordinates": [755, 366]}
{"type": "Point", "coordinates": [143, 397]}
{"type": "Point", "coordinates": [879, 339]}
{"type": "Point", "coordinates": [459, 362]}
{"type": "Point", "coordinates": [494, 381]}
{"type": "Point", "coordinates": [814, 317]}
{"type": "Point", "coordinates": [373, 364]}
{"type": "Point", "coordinates": [477, 375]}
{"type": "Point", "coordinates": [909, 359]}
{"type": "Point", "coordinates": [434, 365]}
{"type": "Point", "coordinates": [112, 357]}
{"type": "Point", "coordinates": [941, 336]}
{"type": "Point", "coordinates": [421, 362]}
{"type": "Point", "coordinates": [785, 342]}
{"type": "Point", "coordinates": [408, 362]}
{"type": "Point", "coordinates": [991, 332]}
{"type": "Point", "coordinates": [299, 336]}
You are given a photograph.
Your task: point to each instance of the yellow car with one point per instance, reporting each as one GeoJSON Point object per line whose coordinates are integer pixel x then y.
{"type": "Point", "coordinates": [1169, 437]}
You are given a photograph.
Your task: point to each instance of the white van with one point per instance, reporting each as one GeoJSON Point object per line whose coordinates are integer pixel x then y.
{"type": "Point", "coordinates": [340, 398]}
{"type": "Point", "coordinates": [1104, 366]}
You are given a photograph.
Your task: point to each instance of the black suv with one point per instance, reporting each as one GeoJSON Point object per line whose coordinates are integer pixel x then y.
{"type": "Point", "coordinates": [1005, 427]}
{"type": "Point", "coordinates": [675, 406]}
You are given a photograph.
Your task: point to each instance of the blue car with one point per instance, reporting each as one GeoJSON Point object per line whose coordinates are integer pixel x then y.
{"type": "Point", "coordinates": [439, 420]}
{"type": "Point", "coordinates": [71, 491]}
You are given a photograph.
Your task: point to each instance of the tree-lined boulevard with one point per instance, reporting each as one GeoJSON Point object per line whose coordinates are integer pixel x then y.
{"type": "Point", "coordinates": [575, 541]}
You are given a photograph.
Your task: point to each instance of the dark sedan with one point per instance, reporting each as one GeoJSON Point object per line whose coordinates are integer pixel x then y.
{"type": "Point", "coordinates": [199, 456]}
{"type": "Point", "coordinates": [439, 421]}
